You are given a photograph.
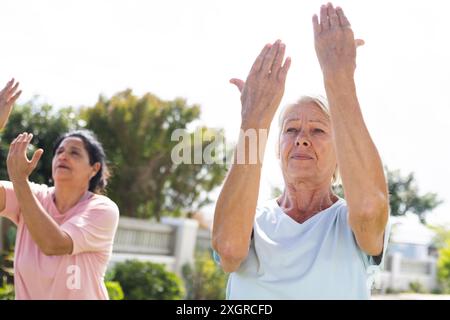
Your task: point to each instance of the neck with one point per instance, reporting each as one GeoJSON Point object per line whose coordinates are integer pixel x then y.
{"type": "Point", "coordinates": [67, 196]}
{"type": "Point", "coordinates": [301, 200]}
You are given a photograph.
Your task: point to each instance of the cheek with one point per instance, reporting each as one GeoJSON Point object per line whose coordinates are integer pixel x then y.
{"type": "Point", "coordinates": [325, 149]}
{"type": "Point", "coordinates": [53, 163]}
{"type": "Point", "coordinates": [84, 170]}
{"type": "Point", "coordinates": [285, 146]}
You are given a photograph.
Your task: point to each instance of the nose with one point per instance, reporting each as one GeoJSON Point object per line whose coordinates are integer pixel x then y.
{"type": "Point", "coordinates": [61, 155]}
{"type": "Point", "coordinates": [302, 140]}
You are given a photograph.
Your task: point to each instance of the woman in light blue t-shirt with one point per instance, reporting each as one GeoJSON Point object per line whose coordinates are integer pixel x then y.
{"type": "Point", "coordinates": [308, 243]}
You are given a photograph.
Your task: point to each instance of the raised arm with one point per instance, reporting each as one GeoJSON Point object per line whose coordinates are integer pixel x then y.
{"type": "Point", "coordinates": [43, 229]}
{"type": "Point", "coordinates": [359, 163]}
{"type": "Point", "coordinates": [8, 97]}
{"type": "Point", "coordinates": [235, 209]}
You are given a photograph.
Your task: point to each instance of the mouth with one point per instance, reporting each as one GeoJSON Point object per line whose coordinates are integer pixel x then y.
{"type": "Point", "coordinates": [301, 157]}
{"type": "Point", "coordinates": [61, 166]}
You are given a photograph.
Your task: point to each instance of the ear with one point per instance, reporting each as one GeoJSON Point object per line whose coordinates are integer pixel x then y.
{"type": "Point", "coordinates": [95, 168]}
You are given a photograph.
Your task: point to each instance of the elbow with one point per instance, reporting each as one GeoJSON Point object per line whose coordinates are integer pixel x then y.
{"type": "Point", "coordinates": [53, 250]}
{"type": "Point", "coordinates": [231, 256]}
{"type": "Point", "coordinates": [368, 223]}
{"type": "Point", "coordinates": [372, 212]}
{"type": "Point", "coordinates": [48, 250]}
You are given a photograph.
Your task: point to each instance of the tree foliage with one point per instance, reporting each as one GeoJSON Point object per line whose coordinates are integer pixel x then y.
{"type": "Point", "coordinates": [404, 196]}
{"type": "Point", "coordinates": [136, 133]}
{"type": "Point", "coordinates": [444, 267]}
{"type": "Point", "coordinates": [46, 124]}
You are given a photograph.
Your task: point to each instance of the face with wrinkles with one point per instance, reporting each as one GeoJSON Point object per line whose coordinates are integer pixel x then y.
{"type": "Point", "coordinates": [71, 163]}
{"type": "Point", "coordinates": [306, 147]}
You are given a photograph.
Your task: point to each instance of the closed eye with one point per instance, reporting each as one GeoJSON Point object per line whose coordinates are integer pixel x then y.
{"type": "Point", "coordinates": [318, 130]}
{"type": "Point", "coordinates": [289, 130]}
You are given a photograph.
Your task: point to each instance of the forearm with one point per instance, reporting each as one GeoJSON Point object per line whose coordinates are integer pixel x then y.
{"type": "Point", "coordinates": [358, 159]}
{"type": "Point", "coordinates": [43, 229]}
{"type": "Point", "coordinates": [2, 198]}
{"type": "Point", "coordinates": [236, 206]}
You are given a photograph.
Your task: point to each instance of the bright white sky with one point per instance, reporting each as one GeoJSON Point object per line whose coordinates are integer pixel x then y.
{"type": "Point", "coordinates": [69, 52]}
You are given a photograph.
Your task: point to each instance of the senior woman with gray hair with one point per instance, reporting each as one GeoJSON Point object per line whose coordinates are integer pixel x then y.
{"type": "Point", "coordinates": [308, 243]}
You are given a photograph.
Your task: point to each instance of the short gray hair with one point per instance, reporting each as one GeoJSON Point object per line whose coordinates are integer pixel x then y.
{"type": "Point", "coordinates": [319, 100]}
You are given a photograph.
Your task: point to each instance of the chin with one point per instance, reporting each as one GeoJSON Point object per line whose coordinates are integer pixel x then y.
{"type": "Point", "coordinates": [61, 177]}
{"type": "Point", "coordinates": [300, 174]}
{"type": "Point", "coordinates": [300, 169]}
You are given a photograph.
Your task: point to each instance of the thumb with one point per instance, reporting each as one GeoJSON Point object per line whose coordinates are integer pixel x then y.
{"type": "Point", "coordinates": [238, 83]}
{"type": "Point", "coordinates": [359, 42]}
{"type": "Point", "coordinates": [36, 156]}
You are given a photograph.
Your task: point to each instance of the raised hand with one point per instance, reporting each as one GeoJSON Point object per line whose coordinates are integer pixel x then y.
{"type": "Point", "coordinates": [261, 93]}
{"type": "Point", "coordinates": [19, 167]}
{"type": "Point", "coordinates": [335, 43]}
{"type": "Point", "coordinates": [8, 97]}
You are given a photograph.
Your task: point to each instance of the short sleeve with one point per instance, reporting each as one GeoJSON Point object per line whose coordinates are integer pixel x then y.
{"type": "Point", "coordinates": [216, 257]}
{"type": "Point", "coordinates": [94, 229]}
{"type": "Point", "coordinates": [12, 207]}
{"type": "Point", "coordinates": [379, 260]}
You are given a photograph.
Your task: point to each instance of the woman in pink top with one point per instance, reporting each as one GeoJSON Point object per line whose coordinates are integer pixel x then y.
{"type": "Point", "coordinates": [65, 233]}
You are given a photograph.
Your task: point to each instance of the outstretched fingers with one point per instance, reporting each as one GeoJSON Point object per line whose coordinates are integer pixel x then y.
{"type": "Point", "coordinates": [22, 143]}
{"type": "Point", "coordinates": [316, 25]}
{"type": "Point", "coordinates": [270, 58]}
{"type": "Point", "coordinates": [342, 17]}
{"type": "Point", "coordinates": [238, 83]}
{"type": "Point", "coordinates": [13, 89]}
{"type": "Point", "coordinates": [9, 94]}
{"type": "Point", "coordinates": [282, 73]}
{"type": "Point", "coordinates": [7, 86]}
{"type": "Point", "coordinates": [278, 60]}
{"type": "Point", "coordinates": [14, 145]}
{"type": "Point", "coordinates": [324, 23]}
{"type": "Point", "coordinates": [333, 17]}
{"type": "Point", "coordinates": [36, 157]}
{"type": "Point", "coordinates": [359, 42]}
{"type": "Point", "coordinates": [13, 99]}
{"type": "Point", "coordinates": [257, 65]}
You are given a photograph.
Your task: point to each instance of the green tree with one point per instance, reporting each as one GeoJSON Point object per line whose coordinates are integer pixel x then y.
{"type": "Point", "coordinates": [136, 133]}
{"type": "Point", "coordinates": [444, 267]}
{"type": "Point", "coordinates": [46, 124]}
{"type": "Point", "coordinates": [441, 235]}
{"type": "Point", "coordinates": [405, 196]}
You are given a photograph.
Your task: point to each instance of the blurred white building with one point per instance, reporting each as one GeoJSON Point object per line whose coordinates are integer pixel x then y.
{"type": "Point", "coordinates": [410, 259]}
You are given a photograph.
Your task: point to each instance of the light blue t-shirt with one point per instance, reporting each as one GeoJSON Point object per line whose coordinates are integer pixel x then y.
{"type": "Point", "coordinates": [318, 259]}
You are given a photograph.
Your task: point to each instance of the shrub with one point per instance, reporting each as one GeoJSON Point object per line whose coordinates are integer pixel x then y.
{"type": "Point", "coordinates": [205, 280]}
{"type": "Point", "coordinates": [147, 281]}
{"type": "Point", "coordinates": [417, 287]}
{"type": "Point", "coordinates": [444, 267]}
{"type": "Point", "coordinates": [115, 291]}
{"type": "Point", "coordinates": [7, 292]}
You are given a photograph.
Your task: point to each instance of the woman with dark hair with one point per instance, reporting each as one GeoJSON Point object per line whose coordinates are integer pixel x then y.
{"type": "Point", "coordinates": [65, 233]}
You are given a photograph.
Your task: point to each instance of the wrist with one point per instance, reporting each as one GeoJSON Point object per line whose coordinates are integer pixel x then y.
{"type": "Point", "coordinates": [339, 84]}
{"type": "Point", "coordinates": [19, 182]}
{"type": "Point", "coordinates": [255, 124]}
